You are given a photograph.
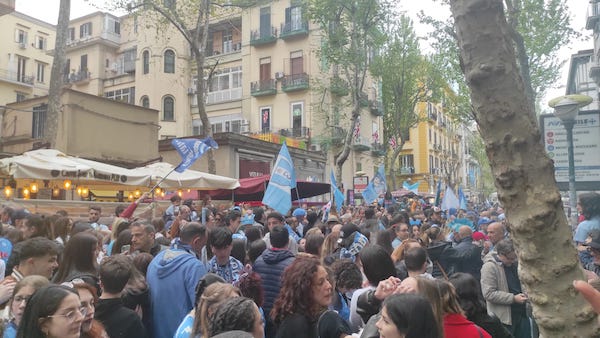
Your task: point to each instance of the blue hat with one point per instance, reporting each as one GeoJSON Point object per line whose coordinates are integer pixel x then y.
{"type": "Point", "coordinates": [299, 212]}
{"type": "Point", "coordinates": [484, 220]}
{"type": "Point", "coordinates": [247, 219]}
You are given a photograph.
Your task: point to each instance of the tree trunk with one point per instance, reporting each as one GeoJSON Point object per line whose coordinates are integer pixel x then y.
{"type": "Point", "coordinates": [57, 74]}
{"type": "Point", "coordinates": [524, 175]}
{"type": "Point", "coordinates": [393, 159]}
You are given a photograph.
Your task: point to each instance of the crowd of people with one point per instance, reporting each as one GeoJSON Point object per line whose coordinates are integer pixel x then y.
{"type": "Point", "coordinates": [200, 270]}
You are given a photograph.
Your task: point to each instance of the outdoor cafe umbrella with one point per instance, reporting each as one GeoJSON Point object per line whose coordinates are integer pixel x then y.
{"type": "Point", "coordinates": [189, 179]}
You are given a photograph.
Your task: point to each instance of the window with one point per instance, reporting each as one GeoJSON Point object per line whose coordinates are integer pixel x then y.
{"type": "Point", "coordinates": [21, 96]}
{"type": "Point", "coordinates": [297, 112]}
{"type": "Point", "coordinates": [39, 121]}
{"type": "Point", "coordinates": [41, 43]}
{"type": "Point", "coordinates": [265, 119]}
{"type": "Point", "coordinates": [358, 166]}
{"type": "Point", "coordinates": [407, 164]}
{"type": "Point", "coordinates": [227, 41]}
{"type": "Point", "coordinates": [21, 63]}
{"type": "Point", "coordinates": [169, 61]}
{"type": "Point", "coordinates": [431, 167]}
{"type": "Point", "coordinates": [21, 37]}
{"type": "Point", "coordinates": [225, 85]}
{"type": "Point", "coordinates": [168, 109]}
{"type": "Point", "coordinates": [41, 67]}
{"type": "Point", "coordinates": [125, 95]}
{"type": "Point", "coordinates": [83, 66]}
{"type": "Point", "coordinates": [71, 33]}
{"type": "Point", "coordinates": [265, 22]}
{"type": "Point", "coordinates": [85, 30]}
{"type": "Point", "coordinates": [296, 63]}
{"type": "Point", "coordinates": [146, 62]}
{"type": "Point", "coordinates": [265, 69]}
{"type": "Point", "coordinates": [114, 27]}
{"type": "Point", "coordinates": [145, 101]}
{"type": "Point", "coordinates": [293, 18]}
{"type": "Point", "coordinates": [129, 57]}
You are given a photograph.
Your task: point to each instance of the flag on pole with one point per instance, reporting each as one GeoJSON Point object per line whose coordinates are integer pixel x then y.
{"type": "Point", "coordinates": [379, 182]}
{"type": "Point", "coordinates": [411, 187]}
{"type": "Point", "coordinates": [283, 178]}
{"type": "Point", "coordinates": [450, 200]}
{"type": "Point", "coordinates": [337, 194]}
{"type": "Point", "coordinates": [326, 208]}
{"type": "Point", "coordinates": [191, 149]}
{"type": "Point", "coordinates": [462, 200]}
{"type": "Point", "coordinates": [393, 143]}
{"type": "Point", "coordinates": [438, 194]}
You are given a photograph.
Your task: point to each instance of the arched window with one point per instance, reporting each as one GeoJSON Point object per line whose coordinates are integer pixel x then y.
{"type": "Point", "coordinates": [169, 61]}
{"type": "Point", "coordinates": [145, 101]}
{"type": "Point", "coordinates": [146, 62]}
{"type": "Point", "coordinates": [168, 109]}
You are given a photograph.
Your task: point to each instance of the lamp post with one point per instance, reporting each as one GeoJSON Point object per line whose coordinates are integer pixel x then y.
{"type": "Point", "coordinates": [566, 109]}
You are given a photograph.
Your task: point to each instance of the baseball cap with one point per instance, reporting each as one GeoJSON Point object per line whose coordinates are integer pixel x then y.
{"type": "Point", "coordinates": [478, 235]}
{"type": "Point", "coordinates": [333, 218]}
{"type": "Point", "coordinates": [299, 212]}
{"type": "Point", "coordinates": [484, 220]}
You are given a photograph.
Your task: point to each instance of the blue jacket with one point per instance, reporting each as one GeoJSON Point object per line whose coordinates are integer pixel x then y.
{"type": "Point", "coordinates": [270, 266]}
{"type": "Point", "coordinates": [172, 277]}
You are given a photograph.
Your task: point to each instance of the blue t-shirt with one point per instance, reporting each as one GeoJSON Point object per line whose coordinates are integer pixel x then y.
{"type": "Point", "coordinates": [584, 228]}
{"type": "Point", "coordinates": [185, 328]}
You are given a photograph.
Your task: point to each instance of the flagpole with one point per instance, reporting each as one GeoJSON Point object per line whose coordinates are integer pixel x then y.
{"type": "Point", "coordinates": [162, 179]}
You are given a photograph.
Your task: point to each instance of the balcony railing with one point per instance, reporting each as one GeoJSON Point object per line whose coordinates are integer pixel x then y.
{"type": "Point", "coordinates": [299, 132]}
{"type": "Point", "coordinates": [376, 108]}
{"type": "Point", "coordinates": [363, 99]}
{"type": "Point", "coordinates": [339, 87]}
{"type": "Point", "coordinates": [82, 75]}
{"type": "Point", "coordinates": [259, 37]}
{"type": "Point", "coordinates": [378, 149]}
{"type": "Point", "coordinates": [593, 14]}
{"type": "Point", "coordinates": [263, 88]}
{"type": "Point", "coordinates": [338, 134]}
{"type": "Point", "coordinates": [294, 29]}
{"type": "Point", "coordinates": [361, 144]}
{"type": "Point", "coordinates": [295, 82]}
{"type": "Point", "coordinates": [15, 77]}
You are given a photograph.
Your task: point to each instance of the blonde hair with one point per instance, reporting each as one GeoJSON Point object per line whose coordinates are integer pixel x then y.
{"type": "Point", "coordinates": [330, 244]}
{"type": "Point", "coordinates": [214, 295]}
{"type": "Point", "coordinates": [430, 289]}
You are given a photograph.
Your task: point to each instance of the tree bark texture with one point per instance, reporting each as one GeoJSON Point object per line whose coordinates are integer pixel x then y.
{"type": "Point", "coordinates": [524, 175]}
{"type": "Point", "coordinates": [57, 73]}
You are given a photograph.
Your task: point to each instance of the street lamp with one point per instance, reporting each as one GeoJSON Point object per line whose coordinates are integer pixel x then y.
{"type": "Point", "coordinates": [566, 109]}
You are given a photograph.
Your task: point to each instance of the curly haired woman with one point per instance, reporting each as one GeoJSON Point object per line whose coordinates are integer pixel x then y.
{"type": "Point", "coordinates": [305, 294]}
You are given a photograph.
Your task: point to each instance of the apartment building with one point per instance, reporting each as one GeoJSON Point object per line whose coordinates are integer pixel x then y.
{"type": "Point", "coordinates": [24, 63]}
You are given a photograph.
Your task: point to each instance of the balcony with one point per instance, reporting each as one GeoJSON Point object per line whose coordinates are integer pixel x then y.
{"type": "Point", "coordinates": [593, 14]}
{"type": "Point", "coordinates": [299, 132]}
{"type": "Point", "coordinates": [15, 77]}
{"type": "Point", "coordinates": [432, 117]}
{"type": "Point", "coordinates": [407, 170]}
{"type": "Point", "coordinates": [595, 73]}
{"type": "Point", "coordinates": [437, 147]}
{"type": "Point", "coordinates": [376, 108]}
{"type": "Point", "coordinates": [361, 144]}
{"type": "Point", "coordinates": [338, 134]}
{"type": "Point", "coordinates": [378, 149]}
{"type": "Point", "coordinates": [363, 99]}
{"type": "Point", "coordinates": [260, 38]}
{"type": "Point", "coordinates": [263, 88]}
{"type": "Point", "coordinates": [80, 76]}
{"type": "Point", "coordinates": [294, 30]}
{"type": "Point", "coordinates": [339, 87]}
{"type": "Point", "coordinates": [295, 82]}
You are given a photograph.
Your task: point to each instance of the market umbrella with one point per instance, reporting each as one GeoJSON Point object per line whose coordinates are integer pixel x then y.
{"type": "Point", "coordinates": [189, 179]}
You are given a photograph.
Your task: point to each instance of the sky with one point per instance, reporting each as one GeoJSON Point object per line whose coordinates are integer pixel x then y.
{"type": "Point", "coordinates": [47, 10]}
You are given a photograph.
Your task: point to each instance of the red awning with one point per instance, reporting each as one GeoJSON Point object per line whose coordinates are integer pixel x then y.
{"type": "Point", "coordinates": [253, 189]}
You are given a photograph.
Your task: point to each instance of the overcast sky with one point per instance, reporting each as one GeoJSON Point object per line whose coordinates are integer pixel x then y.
{"type": "Point", "coordinates": [47, 10]}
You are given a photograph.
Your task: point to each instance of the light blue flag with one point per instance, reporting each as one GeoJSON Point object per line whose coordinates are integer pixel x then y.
{"type": "Point", "coordinates": [411, 187]}
{"type": "Point", "coordinates": [191, 149]}
{"type": "Point", "coordinates": [283, 178]}
{"type": "Point", "coordinates": [462, 201]}
{"type": "Point", "coordinates": [379, 182]}
{"type": "Point", "coordinates": [369, 194]}
{"type": "Point", "coordinates": [450, 200]}
{"type": "Point", "coordinates": [337, 194]}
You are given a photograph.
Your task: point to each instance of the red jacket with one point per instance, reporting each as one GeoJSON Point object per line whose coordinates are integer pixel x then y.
{"type": "Point", "coordinates": [457, 326]}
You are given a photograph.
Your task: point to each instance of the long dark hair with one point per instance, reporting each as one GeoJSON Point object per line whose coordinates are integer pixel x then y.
{"type": "Point", "coordinates": [43, 303]}
{"type": "Point", "coordinates": [377, 264]}
{"type": "Point", "coordinates": [590, 204]}
{"type": "Point", "coordinates": [296, 288]}
{"type": "Point", "coordinates": [469, 294]}
{"type": "Point", "coordinates": [78, 256]}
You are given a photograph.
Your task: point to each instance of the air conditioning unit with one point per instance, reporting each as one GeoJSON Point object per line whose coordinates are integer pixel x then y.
{"type": "Point", "coordinates": [315, 147]}
{"type": "Point", "coordinates": [279, 75]}
{"type": "Point", "coordinates": [191, 91]}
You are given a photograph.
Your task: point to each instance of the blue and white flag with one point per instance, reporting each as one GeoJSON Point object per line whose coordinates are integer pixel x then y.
{"type": "Point", "coordinates": [379, 182]}
{"type": "Point", "coordinates": [462, 201]}
{"type": "Point", "coordinates": [369, 194]}
{"type": "Point", "coordinates": [450, 200]}
{"type": "Point", "coordinates": [337, 194]}
{"type": "Point", "coordinates": [411, 187]}
{"type": "Point", "coordinates": [283, 178]}
{"type": "Point", "coordinates": [191, 149]}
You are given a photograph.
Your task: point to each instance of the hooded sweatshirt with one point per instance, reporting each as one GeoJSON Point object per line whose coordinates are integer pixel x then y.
{"type": "Point", "coordinates": [172, 277]}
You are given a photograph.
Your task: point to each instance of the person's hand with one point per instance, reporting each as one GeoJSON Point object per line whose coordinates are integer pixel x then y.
{"type": "Point", "coordinates": [6, 289]}
{"type": "Point", "coordinates": [520, 298]}
{"type": "Point", "coordinates": [386, 287]}
{"type": "Point", "coordinates": [591, 295]}
{"type": "Point", "coordinates": [589, 275]}
{"type": "Point", "coordinates": [408, 285]}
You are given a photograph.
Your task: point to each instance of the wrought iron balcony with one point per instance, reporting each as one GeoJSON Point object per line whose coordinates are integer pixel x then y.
{"type": "Point", "coordinates": [16, 77]}
{"type": "Point", "coordinates": [299, 132]}
{"type": "Point", "coordinates": [363, 99]}
{"type": "Point", "coordinates": [378, 149]}
{"type": "Point", "coordinates": [361, 144]}
{"type": "Point", "coordinates": [376, 108]}
{"type": "Point", "coordinates": [339, 87]}
{"type": "Point", "coordinates": [82, 75]}
{"type": "Point", "coordinates": [263, 88]}
{"type": "Point", "coordinates": [338, 134]}
{"type": "Point", "coordinates": [260, 37]}
{"type": "Point", "coordinates": [295, 82]}
{"type": "Point", "coordinates": [593, 15]}
{"type": "Point", "coordinates": [294, 29]}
